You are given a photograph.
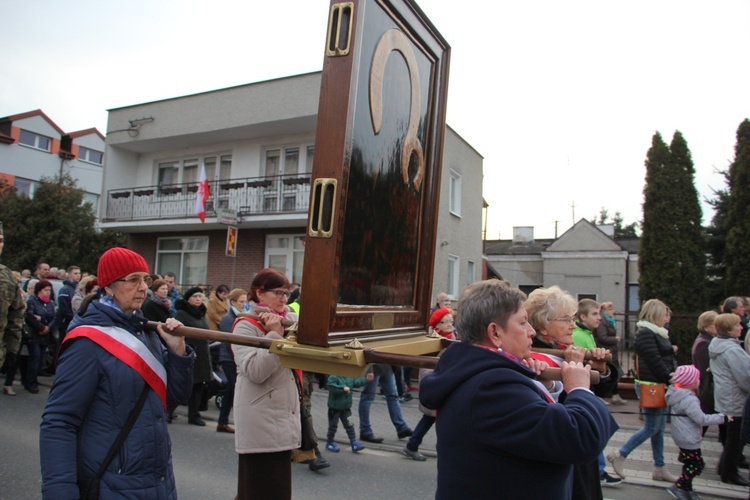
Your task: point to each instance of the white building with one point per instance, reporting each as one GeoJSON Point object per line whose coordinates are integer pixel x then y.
{"type": "Point", "coordinates": [32, 146]}
{"type": "Point", "coordinates": [256, 142]}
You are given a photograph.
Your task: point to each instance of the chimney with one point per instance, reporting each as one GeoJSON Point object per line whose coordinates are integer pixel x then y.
{"type": "Point", "coordinates": [523, 235]}
{"type": "Point", "coordinates": [608, 229]}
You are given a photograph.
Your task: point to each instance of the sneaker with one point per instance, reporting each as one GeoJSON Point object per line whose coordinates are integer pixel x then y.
{"type": "Point", "coordinates": [617, 462]}
{"type": "Point", "coordinates": [607, 480]}
{"type": "Point", "coordinates": [617, 400]}
{"type": "Point", "coordinates": [414, 455]}
{"type": "Point", "coordinates": [357, 446]}
{"type": "Point", "coordinates": [407, 397]}
{"type": "Point", "coordinates": [678, 493]}
{"type": "Point", "coordinates": [332, 446]}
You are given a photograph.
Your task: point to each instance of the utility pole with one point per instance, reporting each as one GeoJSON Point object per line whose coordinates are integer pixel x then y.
{"type": "Point", "coordinates": [556, 222]}
{"type": "Point", "coordinates": [573, 206]}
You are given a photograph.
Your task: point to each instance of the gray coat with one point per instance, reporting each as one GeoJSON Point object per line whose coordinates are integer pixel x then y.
{"type": "Point", "coordinates": [730, 365]}
{"type": "Point", "coordinates": [688, 419]}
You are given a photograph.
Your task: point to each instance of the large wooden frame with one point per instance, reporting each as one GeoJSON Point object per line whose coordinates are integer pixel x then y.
{"type": "Point", "coordinates": [370, 245]}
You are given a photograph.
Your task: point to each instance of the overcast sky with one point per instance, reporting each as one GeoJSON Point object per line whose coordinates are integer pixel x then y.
{"type": "Point", "coordinates": [561, 98]}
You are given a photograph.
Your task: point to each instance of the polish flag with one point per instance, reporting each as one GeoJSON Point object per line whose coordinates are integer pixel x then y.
{"type": "Point", "coordinates": [204, 191]}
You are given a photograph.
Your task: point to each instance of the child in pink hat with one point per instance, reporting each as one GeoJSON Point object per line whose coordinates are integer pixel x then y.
{"type": "Point", "coordinates": [688, 421]}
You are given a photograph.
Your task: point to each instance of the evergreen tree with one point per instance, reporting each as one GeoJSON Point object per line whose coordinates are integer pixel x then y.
{"type": "Point", "coordinates": [55, 227]}
{"type": "Point", "coordinates": [672, 253]}
{"type": "Point", "coordinates": [621, 231]}
{"type": "Point", "coordinates": [659, 270]}
{"type": "Point", "coordinates": [738, 216]}
{"type": "Point", "coordinates": [690, 248]}
{"type": "Point", "coordinates": [716, 239]}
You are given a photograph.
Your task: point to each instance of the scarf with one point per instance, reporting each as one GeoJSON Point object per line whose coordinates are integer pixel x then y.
{"type": "Point", "coordinates": [165, 303]}
{"type": "Point", "coordinates": [661, 331]}
{"type": "Point", "coordinates": [610, 319]}
{"type": "Point", "coordinates": [43, 298]}
{"type": "Point", "coordinates": [447, 335]}
{"type": "Point", "coordinates": [282, 314]}
{"type": "Point", "coordinates": [110, 302]}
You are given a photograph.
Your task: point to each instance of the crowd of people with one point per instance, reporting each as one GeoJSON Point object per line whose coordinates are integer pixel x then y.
{"type": "Point", "coordinates": [522, 366]}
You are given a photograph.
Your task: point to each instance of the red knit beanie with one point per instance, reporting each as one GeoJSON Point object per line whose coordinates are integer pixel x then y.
{"type": "Point", "coordinates": [117, 263]}
{"type": "Point", "coordinates": [437, 316]}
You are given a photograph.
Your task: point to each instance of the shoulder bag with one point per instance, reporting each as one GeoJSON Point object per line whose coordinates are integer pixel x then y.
{"type": "Point", "coordinates": [653, 394]}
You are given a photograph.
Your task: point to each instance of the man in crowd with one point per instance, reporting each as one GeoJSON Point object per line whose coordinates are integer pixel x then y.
{"type": "Point", "coordinates": [64, 297]}
{"type": "Point", "coordinates": [588, 319]}
{"type": "Point", "coordinates": [174, 293]}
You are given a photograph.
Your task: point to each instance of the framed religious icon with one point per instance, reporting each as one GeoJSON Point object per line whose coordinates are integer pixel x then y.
{"type": "Point", "coordinates": [370, 243]}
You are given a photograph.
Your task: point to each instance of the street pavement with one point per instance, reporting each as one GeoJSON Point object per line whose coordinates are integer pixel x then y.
{"type": "Point", "coordinates": [638, 466]}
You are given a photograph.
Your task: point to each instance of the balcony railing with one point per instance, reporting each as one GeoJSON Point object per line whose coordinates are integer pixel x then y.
{"type": "Point", "coordinates": [281, 194]}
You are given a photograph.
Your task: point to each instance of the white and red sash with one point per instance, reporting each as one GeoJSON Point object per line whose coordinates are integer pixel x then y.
{"type": "Point", "coordinates": [551, 360]}
{"type": "Point", "coordinates": [124, 346]}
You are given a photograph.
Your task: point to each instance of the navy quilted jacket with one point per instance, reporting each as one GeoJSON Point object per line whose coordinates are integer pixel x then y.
{"type": "Point", "coordinates": [89, 403]}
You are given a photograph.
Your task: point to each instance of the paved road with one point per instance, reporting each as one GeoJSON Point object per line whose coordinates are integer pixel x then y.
{"type": "Point", "coordinates": [205, 461]}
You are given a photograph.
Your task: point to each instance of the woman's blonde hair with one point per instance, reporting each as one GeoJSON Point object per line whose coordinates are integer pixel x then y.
{"type": "Point", "coordinates": [706, 319]}
{"type": "Point", "coordinates": [725, 322]}
{"type": "Point", "coordinates": [544, 303]}
{"type": "Point", "coordinates": [653, 310]}
{"type": "Point", "coordinates": [235, 294]}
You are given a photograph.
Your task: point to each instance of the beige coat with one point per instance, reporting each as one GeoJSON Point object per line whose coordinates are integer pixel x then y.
{"type": "Point", "coordinates": [266, 400]}
{"type": "Point", "coordinates": [215, 310]}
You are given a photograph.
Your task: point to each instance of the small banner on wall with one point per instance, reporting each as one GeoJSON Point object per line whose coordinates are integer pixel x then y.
{"type": "Point", "coordinates": [231, 241]}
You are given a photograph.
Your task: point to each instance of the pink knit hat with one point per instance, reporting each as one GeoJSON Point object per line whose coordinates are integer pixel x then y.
{"type": "Point", "coordinates": [686, 376]}
{"type": "Point", "coordinates": [117, 263]}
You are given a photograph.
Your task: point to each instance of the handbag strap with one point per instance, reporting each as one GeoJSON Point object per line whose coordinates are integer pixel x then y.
{"type": "Point", "coordinates": [122, 435]}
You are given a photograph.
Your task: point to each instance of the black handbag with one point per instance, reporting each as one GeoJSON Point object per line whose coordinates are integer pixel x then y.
{"type": "Point", "coordinates": [89, 487]}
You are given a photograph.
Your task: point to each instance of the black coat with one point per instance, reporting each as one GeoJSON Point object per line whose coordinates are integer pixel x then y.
{"type": "Point", "coordinates": [656, 358]}
{"type": "Point", "coordinates": [196, 317]}
{"type": "Point", "coordinates": [156, 312]}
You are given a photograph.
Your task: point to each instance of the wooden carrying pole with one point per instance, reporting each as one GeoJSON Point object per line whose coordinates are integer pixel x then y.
{"type": "Point", "coordinates": [370, 355]}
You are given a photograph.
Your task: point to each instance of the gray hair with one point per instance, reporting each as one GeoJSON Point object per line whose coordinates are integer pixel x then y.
{"type": "Point", "coordinates": [544, 304]}
{"type": "Point", "coordinates": [485, 302]}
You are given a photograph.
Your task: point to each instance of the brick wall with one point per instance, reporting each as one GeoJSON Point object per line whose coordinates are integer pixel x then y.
{"type": "Point", "coordinates": [251, 245]}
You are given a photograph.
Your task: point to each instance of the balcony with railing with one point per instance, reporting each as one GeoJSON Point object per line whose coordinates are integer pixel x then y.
{"type": "Point", "coordinates": [281, 194]}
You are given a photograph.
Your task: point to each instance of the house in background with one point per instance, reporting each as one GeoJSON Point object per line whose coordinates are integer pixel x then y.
{"type": "Point", "coordinates": [256, 142]}
{"type": "Point", "coordinates": [32, 146]}
{"type": "Point", "coordinates": [587, 261]}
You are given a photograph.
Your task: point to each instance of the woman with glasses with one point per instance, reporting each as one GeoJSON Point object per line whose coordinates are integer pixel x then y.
{"type": "Point", "coordinates": [552, 314]}
{"type": "Point", "coordinates": [192, 312]}
{"type": "Point", "coordinates": [266, 397]}
{"type": "Point", "coordinates": [499, 434]}
{"type": "Point", "coordinates": [111, 371]}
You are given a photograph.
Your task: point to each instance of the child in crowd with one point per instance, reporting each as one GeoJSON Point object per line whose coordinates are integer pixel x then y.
{"type": "Point", "coordinates": [340, 408]}
{"type": "Point", "coordinates": [687, 422]}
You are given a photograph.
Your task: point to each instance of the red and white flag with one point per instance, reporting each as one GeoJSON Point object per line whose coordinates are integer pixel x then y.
{"type": "Point", "coordinates": [204, 191]}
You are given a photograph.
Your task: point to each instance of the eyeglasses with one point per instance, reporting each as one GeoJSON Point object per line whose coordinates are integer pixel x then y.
{"type": "Point", "coordinates": [135, 281]}
{"type": "Point", "coordinates": [279, 293]}
{"type": "Point", "coordinates": [565, 319]}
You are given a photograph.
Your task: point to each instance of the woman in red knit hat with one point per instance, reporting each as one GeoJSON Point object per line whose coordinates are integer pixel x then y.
{"type": "Point", "coordinates": [104, 430]}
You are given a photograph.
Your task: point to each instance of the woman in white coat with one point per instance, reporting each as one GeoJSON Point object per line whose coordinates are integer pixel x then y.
{"type": "Point", "coordinates": [266, 397]}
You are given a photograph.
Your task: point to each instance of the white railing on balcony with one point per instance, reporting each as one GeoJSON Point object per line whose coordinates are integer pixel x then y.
{"type": "Point", "coordinates": [248, 196]}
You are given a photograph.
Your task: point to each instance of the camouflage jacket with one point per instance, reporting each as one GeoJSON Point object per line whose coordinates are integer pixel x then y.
{"type": "Point", "coordinates": [12, 309]}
